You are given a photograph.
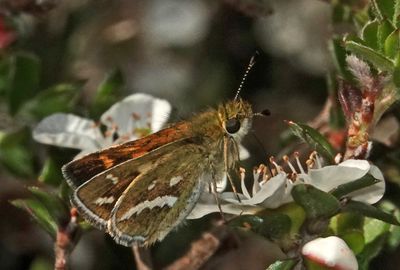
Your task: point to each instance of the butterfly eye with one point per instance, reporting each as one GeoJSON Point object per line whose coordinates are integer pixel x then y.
{"type": "Point", "coordinates": [232, 125]}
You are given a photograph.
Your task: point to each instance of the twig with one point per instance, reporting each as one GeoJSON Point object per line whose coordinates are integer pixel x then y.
{"type": "Point", "coordinates": [201, 250]}
{"type": "Point", "coordinates": [64, 241]}
{"type": "Point", "coordinates": [142, 258]}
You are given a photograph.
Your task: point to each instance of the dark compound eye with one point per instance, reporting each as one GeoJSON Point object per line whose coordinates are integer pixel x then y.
{"type": "Point", "coordinates": [232, 125]}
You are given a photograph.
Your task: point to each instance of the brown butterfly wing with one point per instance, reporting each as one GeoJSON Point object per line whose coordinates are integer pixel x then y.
{"type": "Point", "coordinates": [96, 198]}
{"type": "Point", "coordinates": [82, 169]}
{"type": "Point", "coordinates": [160, 198]}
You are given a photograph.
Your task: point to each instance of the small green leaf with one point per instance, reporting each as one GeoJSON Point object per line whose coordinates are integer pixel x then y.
{"type": "Point", "coordinates": [377, 59]}
{"type": "Point", "coordinates": [338, 54]}
{"type": "Point", "coordinates": [392, 44]}
{"type": "Point", "coordinates": [15, 154]}
{"type": "Point", "coordinates": [370, 251]}
{"type": "Point", "coordinates": [396, 15]}
{"type": "Point", "coordinates": [315, 202]}
{"type": "Point", "coordinates": [344, 189]}
{"type": "Point", "coordinates": [51, 173]}
{"type": "Point", "coordinates": [383, 9]}
{"type": "Point", "coordinates": [57, 209]}
{"type": "Point", "coordinates": [59, 98]}
{"type": "Point", "coordinates": [283, 265]}
{"type": "Point", "coordinates": [251, 222]}
{"type": "Point", "coordinates": [275, 226]}
{"type": "Point", "coordinates": [39, 213]}
{"type": "Point", "coordinates": [350, 229]}
{"type": "Point", "coordinates": [369, 211]}
{"type": "Point", "coordinates": [340, 13]}
{"type": "Point", "coordinates": [396, 72]}
{"type": "Point", "coordinates": [374, 228]}
{"type": "Point", "coordinates": [108, 92]}
{"type": "Point", "coordinates": [23, 80]}
{"type": "Point", "coordinates": [369, 34]}
{"type": "Point", "coordinates": [314, 139]}
{"type": "Point", "coordinates": [384, 30]}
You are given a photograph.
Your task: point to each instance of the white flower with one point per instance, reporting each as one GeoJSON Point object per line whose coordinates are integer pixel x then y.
{"type": "Point", "coordinates": [272, 192]}
{"type": "Point", "coordinates": [129, 119]}
{"type": "Point", "coordinates": [331, 252]}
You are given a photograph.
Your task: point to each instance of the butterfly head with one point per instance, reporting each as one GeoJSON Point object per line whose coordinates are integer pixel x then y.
{"type": "Point", "coordinates": [236, 117]}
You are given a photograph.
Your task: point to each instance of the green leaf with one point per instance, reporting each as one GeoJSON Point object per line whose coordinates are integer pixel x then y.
{"type": "Point", "coordinates": [396, 72]}
{"type": "Point", "coordinates": [23, 79]}
{"type": "Point", "coordinates": [15, 154]}
{"type": "Point", "coordinates": [344, 189]}
{"type": "Point", "coordinates": [315, 202]}
{"type": "Point", "coordinates": [370, 251]}
{"type": "Point", "coordinates": [57, 209]}
{"type": "Point", "coordinates": [338, 54]}
{"type": "Point", "coordinates": [314, 139]}
{"type": "Point", "coordinates": [374, 228]}
{"type": "Point", "coordinates": [59, 98]}
{"type": "Point", "coordinates": [384, 30]}
{"type": "Point", "coordinates": [39, 213]}
{"type": "Point", "coordinates": [369, 211]}
{"type": "Point", "coordinates": [283, 265]}
{"type": "Point", "coordinates": [340, 13]}
{"type": "Point", "coordinates": [377, 59]}
{"type": "Point", "coordinates": [51, 173]}
{"type": "Point", "coordinates": [396, 15]}
{"type": "Point", "coordinates": [383, 9]}
{"type": "Point", "coordinates": [392, 44]}
{"type": "Point", "coordinates": [108, 92]}
{"type": "Point", "coordinates": [350, 229]}
{"type": "Point", "coordinates": [275, 226]}
{"type": "Point", "coordinates": [251, 222]}
{"type": "Point", "coordinates": [369, 34]}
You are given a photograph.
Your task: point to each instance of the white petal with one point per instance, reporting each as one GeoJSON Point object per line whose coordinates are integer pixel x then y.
{"type": "Point", "coordinates": [371, 194]}
{"type": "Point", "coordinates": [243, 152]}
{"type": "Point", "coordinates": [152, 113]}
{"type": "Point", "coordinates": [68, 130]}
{"type": "Point", "coordinates": [207, 205]}
{"type": "Point", "coordinates": [330, 177]}
{"type": "Point", "coordinates": [332, 252]}
{"type": "Point", "coordinates": [244, 188]}
{"type": "Point", "coordinates": [271, 194]}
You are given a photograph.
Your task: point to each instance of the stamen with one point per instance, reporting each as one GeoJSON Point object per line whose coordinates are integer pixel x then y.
{"type": "Point", "coordinates": [242, 173]}
{"type": "Point", "coordinates": [310, 163]}
{"type": "Point", "coordinates": [296, 156]}
{"type": "Point", "coordinates": [318, 160]}
{"type": "Point", "coordinates": [272, 161]}
{"type": "Point", "coordinates": [286, 159]}
{"type": "Point", "coordinates": [258, 174]}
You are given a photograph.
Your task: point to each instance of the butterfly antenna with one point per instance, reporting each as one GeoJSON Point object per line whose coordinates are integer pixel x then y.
{"type": "Point", "coordinates": [249, 67]}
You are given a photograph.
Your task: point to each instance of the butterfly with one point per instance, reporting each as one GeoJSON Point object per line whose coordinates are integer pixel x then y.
{"type": "Point", "coordinates": [141, 190]}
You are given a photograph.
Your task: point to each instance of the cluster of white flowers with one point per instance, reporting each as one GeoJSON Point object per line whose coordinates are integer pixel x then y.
{"type": "Point", "coordinates": [272, 192]}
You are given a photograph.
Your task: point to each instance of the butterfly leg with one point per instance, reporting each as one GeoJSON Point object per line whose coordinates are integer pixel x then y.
{"type": "Point", "coordinates": [226, 167]}
{"type": "Point", "coordinates": [213, 188]}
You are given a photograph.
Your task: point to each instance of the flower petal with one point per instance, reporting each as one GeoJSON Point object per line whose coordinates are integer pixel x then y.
{"type": "Point", "coordinates": [330, 177]}
{"type": "Point", "coordinates": [207, 205]}
{"type": "Point", "coordinates": [332, 252]}
{"type": "Point", "coordinates": [243, 152]}
{"type": "Point", "coordinates": [68, 130]}
{"type": "Point", "coordinates": [137, 111]}
{"type": "Point", "coordinates": [371, 194]}
{"type": "Point", "coordinates": [271, 195]}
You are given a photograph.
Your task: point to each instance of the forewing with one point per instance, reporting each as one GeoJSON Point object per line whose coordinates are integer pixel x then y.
{"type": "Point", "coordinates": [96, 198]}
{"type": "Point", "coordinates": [80, 170]}
{"type": "Point", "coordinates": [159, 199]}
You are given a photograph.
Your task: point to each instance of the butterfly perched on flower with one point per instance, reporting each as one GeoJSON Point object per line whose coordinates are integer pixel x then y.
{"type": "Point", "coordinates": [140, 190]}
